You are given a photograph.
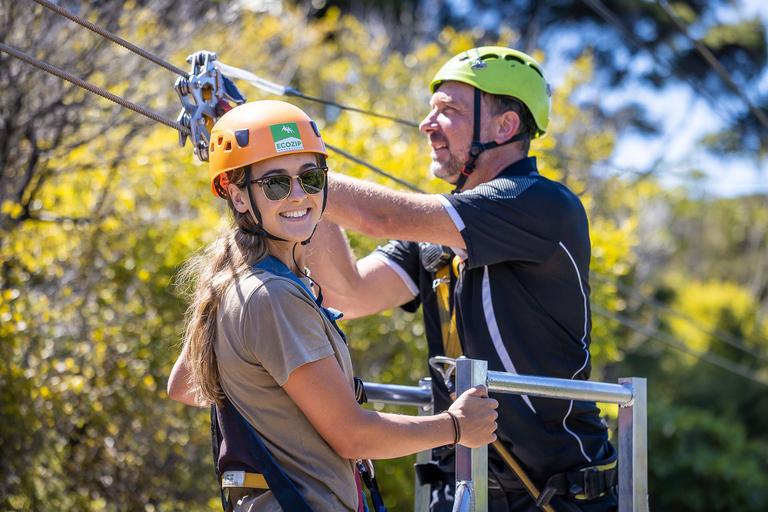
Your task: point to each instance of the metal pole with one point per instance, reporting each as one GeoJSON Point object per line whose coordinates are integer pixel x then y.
{"type": "Point", "coordinates": [501, 382]}
{"type": "Point", "coordinates": [633, 449]}
{"type": "Point", "coordinates": [471, 464]}
{"type": "Point", "coordinates": [397, 394]}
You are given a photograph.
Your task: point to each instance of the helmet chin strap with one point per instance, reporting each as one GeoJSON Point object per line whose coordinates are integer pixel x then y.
{"type": "Point", "coordinates": [257, 230]}
{"type": "Point", "coordinates": [478, 147]}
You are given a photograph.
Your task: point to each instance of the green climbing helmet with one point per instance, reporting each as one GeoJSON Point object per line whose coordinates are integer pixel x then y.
{"type": "Point", "coordinates": [503, 71]}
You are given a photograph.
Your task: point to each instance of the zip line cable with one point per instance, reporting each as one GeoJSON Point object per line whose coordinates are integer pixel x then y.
{"type": "Point", "coordinates": [92, 88]}
{"type": "Point", "coordinates": [374, 168]}
{"type": "Point", "coordinates": [663, 308]}
{"type": "Point", "coordinates": [282, 90]}
{"type": "Point", "coordinates": [714, 359]}
{"type": "Point", "coordinates": [231, 71]}
{"type": "Point", "coordinates": [108, 35]}
{"type": "Point", "coordinates": [714, 63]}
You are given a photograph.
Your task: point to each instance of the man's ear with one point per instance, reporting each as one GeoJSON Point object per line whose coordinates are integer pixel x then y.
{"type": "Point", "coordinates": [238, 198]}
{"type": "Point", "coordinates": [507, 125]}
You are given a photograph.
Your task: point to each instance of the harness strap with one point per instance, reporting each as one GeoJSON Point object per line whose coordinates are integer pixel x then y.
{"type": "Point", "coordinates": [441, 285]}
{"type": "Point", "coordinates": [452, 348]}
{"type": "Point", "coordinates": [243, 479]}
{"type": "Point", "coordinates": [365, 470]}
{"type": "Point", "coordinates": [274, 265]}
{"type": "Point", "coordinates": [586, 483]}
{"type": "Point", "coordinates": [215, 447]}
{"type": "Point", "coordinates": [285, 491]}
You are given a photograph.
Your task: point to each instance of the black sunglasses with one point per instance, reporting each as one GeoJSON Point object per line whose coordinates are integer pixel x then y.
{"type": "Point", "coordinates": [278, 187]}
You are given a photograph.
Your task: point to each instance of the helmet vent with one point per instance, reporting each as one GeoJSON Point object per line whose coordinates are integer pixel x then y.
{"type": "Point", "coordinates": [515, 58]}
{"type": "Point", "coordinates": [221, 140]}
{"type": "Point", "coordinates": [228, 146]}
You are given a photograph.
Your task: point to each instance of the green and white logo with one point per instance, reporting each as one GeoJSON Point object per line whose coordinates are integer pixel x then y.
{"type": "Point", "coordinates": [286, 137]}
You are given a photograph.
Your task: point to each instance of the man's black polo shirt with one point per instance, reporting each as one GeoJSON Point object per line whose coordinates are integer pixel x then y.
{"type": "Point", "coordinates": [522, 304]}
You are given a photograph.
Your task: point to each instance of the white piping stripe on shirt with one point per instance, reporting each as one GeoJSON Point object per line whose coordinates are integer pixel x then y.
{"type": "Point", "coordinates": [583, 344]}
{"type": "Point", "coordinates": [493, 329]}
{"type": "Point", "coordinates": [399, 270]}
{"type": "Point", "coordinates": [455, 217]}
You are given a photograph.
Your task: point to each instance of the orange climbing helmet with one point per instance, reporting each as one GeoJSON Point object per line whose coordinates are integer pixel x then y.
{"type": "Point", "coordinates": [255, 131]}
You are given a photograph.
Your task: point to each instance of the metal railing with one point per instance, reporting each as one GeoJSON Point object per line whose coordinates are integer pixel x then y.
{"type": "Point", "coordinates": [472, 464]}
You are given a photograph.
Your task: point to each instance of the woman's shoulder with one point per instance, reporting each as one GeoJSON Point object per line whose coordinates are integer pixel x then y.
{"type": "Point", "coordinates": [258, 285]}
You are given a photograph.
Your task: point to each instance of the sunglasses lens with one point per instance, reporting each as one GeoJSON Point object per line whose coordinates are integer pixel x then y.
{"type": "Point", "coordinates": [313, 181]}
{"type": "Point", "coordinates": [277, 187]}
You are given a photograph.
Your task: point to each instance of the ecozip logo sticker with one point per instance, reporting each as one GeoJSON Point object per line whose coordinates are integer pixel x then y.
{"type": "Point", "coordinates": [286, 137]}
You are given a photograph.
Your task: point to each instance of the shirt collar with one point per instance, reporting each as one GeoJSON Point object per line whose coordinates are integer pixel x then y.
{"type": "Point", "coordinates": [522, 167]}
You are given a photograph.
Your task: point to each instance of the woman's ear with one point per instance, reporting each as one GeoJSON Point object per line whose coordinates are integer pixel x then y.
{"type": "Point", "coordinates": [507, 125]}
{"type": "Point", "coordinates": [238, 198]}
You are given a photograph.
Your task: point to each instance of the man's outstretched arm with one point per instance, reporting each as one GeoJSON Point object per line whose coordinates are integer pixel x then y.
{"type": "Point", "coordinates": [380, 212]}
{"type": "Point", "coordinates": [357, 288]}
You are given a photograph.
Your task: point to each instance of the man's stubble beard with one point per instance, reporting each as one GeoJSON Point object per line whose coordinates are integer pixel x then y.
{"type": "Point", "coordinates": [448, 171]}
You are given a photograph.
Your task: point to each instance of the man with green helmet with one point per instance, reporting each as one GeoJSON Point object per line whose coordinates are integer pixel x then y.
{"type": "Point", "coordinates": [502, 274]}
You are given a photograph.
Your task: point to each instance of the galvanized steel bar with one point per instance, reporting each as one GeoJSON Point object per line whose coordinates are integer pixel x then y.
{"type": "Point", "coordinates": [471, 464]}
{"type": "Point", "coordinates": [397, 394]}
{"type": "Point", "coordinates": [633, 450]}
{"type": "Point", "coordinates": [500, 382]}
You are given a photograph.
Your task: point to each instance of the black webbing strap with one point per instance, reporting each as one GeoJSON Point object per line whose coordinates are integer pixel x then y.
{"type": "Point", "coordinates": [286, 493]}
{"type": "Point", "coordinates": [366, 474]}
{"type": "Point", "coordinates": [586, 483]}
{"type": "Point", "coordinates": [477, 147]}
{"type": "Point", "coordinates": [215, 446]}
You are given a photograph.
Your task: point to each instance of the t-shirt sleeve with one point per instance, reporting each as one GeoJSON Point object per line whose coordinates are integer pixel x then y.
{"type": "Point", "coordinates": [283, 329]}
{"type": "Point", "coordinates": [508, 219]}
{"type": "Point", "coordinates": [403, 258]}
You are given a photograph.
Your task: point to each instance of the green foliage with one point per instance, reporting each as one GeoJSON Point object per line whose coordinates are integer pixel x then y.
{"type": "Point", "coordinates": [703, 460]}
{"type": "Point", "coordinates": [90, 320]}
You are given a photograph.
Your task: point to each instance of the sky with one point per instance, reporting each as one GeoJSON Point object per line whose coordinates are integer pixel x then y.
{"type": "Point", "coordinates": [684, 119]}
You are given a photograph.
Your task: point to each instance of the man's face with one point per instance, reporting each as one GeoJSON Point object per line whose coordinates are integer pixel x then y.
{"type": "Point", "coordinates": [448, 126]}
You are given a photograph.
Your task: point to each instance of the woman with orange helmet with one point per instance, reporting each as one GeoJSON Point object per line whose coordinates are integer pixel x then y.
{"type": "Point", "coordinates": [259, 345]}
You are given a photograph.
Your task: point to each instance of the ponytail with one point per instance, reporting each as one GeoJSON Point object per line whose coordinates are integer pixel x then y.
{"type": "Point", "coordinates": [205, 278]}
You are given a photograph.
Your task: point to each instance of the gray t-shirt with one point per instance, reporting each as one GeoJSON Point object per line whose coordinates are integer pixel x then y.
{"type": "Point", "coordinates": [269, 326]}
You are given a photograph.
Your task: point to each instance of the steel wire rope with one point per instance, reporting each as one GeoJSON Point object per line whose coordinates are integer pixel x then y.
{"type": "Point", "coordinates": [290, 91]}
{"type": "Point", "coordinates": [712, 62]}
{"type": "Point", "coordinates": [658, 335]}
{"type": "Point", "coordinates": [594, 4]}
{"type": "Point", "coordinates": [374, 168]}
{"type": "Point", "coordinates": [718, 361]}
{"type": "Point", "coordinates": [125, 44]}
{"type": "Point", "coordinates": [663, 308]}
{"type": "Point", "coordinates": [300, 94]}
{"type": "Point", "coordinates": [112, 37]}
{"type": "Point", "coordinates": [92, 88]}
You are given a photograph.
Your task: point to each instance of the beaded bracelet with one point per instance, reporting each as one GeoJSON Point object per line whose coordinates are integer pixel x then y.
{"type": "Point", "coordinates": [456, 429]}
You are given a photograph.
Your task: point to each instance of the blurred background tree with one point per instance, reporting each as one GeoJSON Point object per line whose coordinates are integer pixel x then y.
{"type": "Point", "coordinates": [99, 208]}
